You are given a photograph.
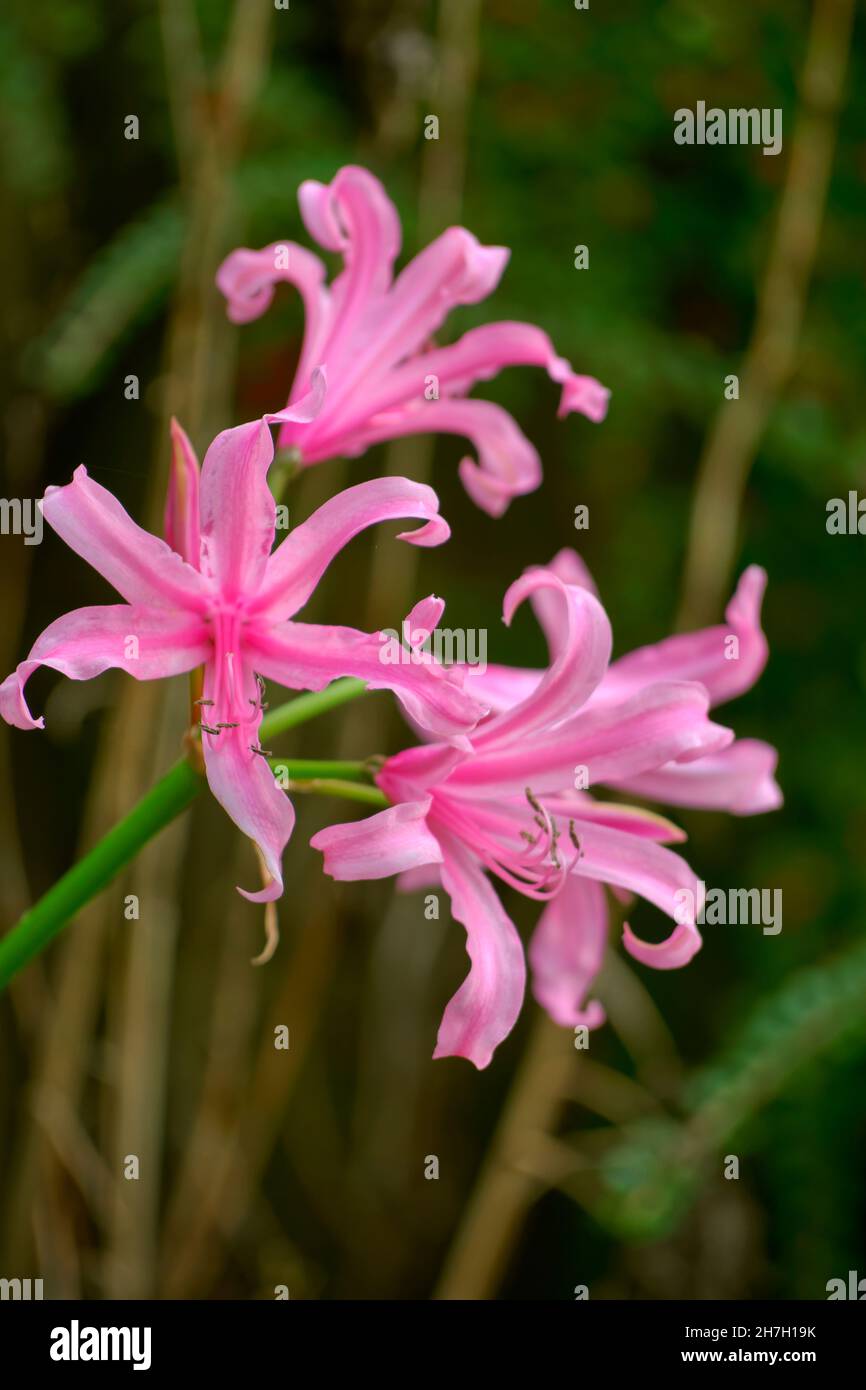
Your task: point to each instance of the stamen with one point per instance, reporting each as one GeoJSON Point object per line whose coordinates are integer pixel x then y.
{"type": "Point", "coordinates": [573, 836]}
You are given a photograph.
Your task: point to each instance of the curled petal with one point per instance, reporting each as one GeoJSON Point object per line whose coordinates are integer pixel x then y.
{"type": "Point", "coordinates": [508, 464]}
{"type": "Point", "coordinates": [570, 568]}
{"type": "Point", "coordinates": [579, 660]}
{"type": "Point", "coordinates": [636, 865]}
{"type": "Point", "coordinates": [146, 643]}
{"type": "Point", "coordinates": [352, 206]}
{"type": "Point", "coordinates": [503, 687]}
{"type": "Point", "coordinates": [727, 659]}
{"type": "Point", "coordinates": [140, 566]}
{"type": "Point", "coordinates": [248, 278]}
{"type": "Point", "coordinates": [581, 393]}
{"type": "Point", "coordinates": [485, 1008]}
{"type": "Point", "coordinates": [391, 842]}
{"type": "Point", "coordinates": [353, 215]}
{"type": "Point", "coordinates": [482, 353]}
{"type": "Point", "coordinates": [297, 565]}
{"type": "Point", "coordinates": [567, 950]}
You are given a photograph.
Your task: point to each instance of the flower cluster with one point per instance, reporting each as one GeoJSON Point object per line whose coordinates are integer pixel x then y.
{"type": "Point", "coordinates": [505, 781]}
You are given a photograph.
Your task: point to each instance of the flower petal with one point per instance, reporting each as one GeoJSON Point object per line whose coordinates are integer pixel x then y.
{"type": "Point", "coordinates": [417, 880]}
{"type": "Point", "coordinates": [479, 354]}
{"type": "Point", "coordinates": [297, 565]}
{"type": "Point", "coordinates": [182, 501]}
{"type": "Point", "coordinates": [611, 742]}
{"type": "Point", "coordinates": [391, 842]}
{"type": "Point", "coordinates": [739, 779]}
{"type": "Point", "coordinates": [247, 279]}
{"type": "Point", "coordinates": [727, 659]}
{"type": "Point", "coordinates": [579, 660]}
{"type": "Point", "coordinates": [354, 215]}
{"type": "Point", "coordinates": [244, 785]}
{"type": "Point", "coordinates": [485, 1008]}
{"type": "Point", "coordinates": [570, 568]}
{"type": "Point", "coordinates": [501, 687]}
{"type": "Point", "coordinates": [423, 620]}
{"type": "Point", "coordinates": [409, 774]}
{"type": "Point", "coordinates": [637, 865]}
{"type": "Point", "coordinates": [238, 511]}
{"type": "Point", "coordinates": [454, 269]}
{"type": "Point", "coordinates": [141, 567]}
{"type": "Point", "coordinates": [567, 950]}
{"type": "Point", "coordinates": [508, 465]}
{"type": "Point", "coordinates": [636, 820]}
{"type": "Point", "coordinates": [146, 643]}
{"type": "Point", "coordinates": [308, 656]}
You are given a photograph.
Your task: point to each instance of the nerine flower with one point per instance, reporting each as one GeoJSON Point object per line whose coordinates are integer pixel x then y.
{"type": "Point", "coordinates": [519, 806]}
{"type": "Point", "coordinates": [374, 334]}
{"type": "Point", "coordinates": [216, 596]}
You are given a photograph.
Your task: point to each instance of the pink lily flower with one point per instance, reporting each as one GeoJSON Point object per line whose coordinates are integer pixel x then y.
{"type": "Point", "coordinates": [518, 806]}
{"type": "Point", "coordinates": [216, 596]}
{"type": "Point", "coordinates": [374, 334]}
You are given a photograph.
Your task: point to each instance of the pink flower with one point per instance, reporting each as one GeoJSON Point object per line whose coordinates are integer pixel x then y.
{"type": "Point", "coordinates": [216, 596]}
{"type": "Point", "coordinates": [517, 807]}
{"type": "Point", "coordinates": [374, 334]}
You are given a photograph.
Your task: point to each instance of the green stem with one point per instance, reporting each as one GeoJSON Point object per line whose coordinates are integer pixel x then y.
{"type": "Point", "coordinates": [302, 769]}
{"type": "Point", "coordinates": [171, 795]}
{"type": "Point", "coordinates": [350, 791]}
{"type": "Point", "coordinates": [308, 706]}
{"type": "Point", "coordinates": [156, 809]}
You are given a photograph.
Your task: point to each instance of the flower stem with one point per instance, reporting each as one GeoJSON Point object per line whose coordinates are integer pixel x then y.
{"type": "Point", "coordinates": [306, 707]}
{"type": "Point", "coordinates": [170, 795]}
{"type": "Point", "coordinates": [301, 769]}
{"type": "Point", "coordinates": [351, 791]}
{"type": "Point", "coordinates": [157, 808]}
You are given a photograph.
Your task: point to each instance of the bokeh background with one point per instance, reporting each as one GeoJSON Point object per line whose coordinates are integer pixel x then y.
{"type": "Point", "coordinates": [306, 1167]}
